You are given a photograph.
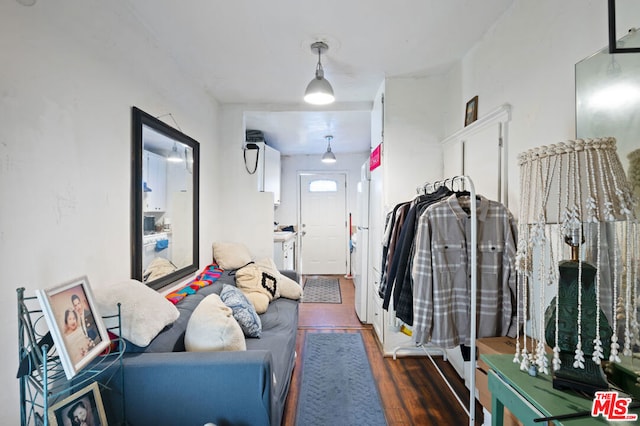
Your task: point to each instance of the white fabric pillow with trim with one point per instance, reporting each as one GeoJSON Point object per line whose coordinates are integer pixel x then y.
{"type": "Point", "coordinates": [231, 255]}
{"type": "Point", "coordinates": [144, 312]}
{"type": "Point", "coordinates": [212, 327]}
{"type": "Point", "coordinates": [287, 287]}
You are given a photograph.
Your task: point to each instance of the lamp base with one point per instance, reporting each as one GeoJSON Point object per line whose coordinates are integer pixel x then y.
{"type": "Point", "coordinates": [589, 380]}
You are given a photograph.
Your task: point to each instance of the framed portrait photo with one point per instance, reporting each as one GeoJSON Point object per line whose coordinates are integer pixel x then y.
{"type": "Point", "coordinates": [77, 329]}
{"type": "Point", "coordinates": [471, 113]}
{"type": "Point", "coordinates": [82, 408]}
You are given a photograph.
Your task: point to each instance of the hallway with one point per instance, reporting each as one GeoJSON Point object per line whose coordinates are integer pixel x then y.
{"type": "Point", "coordinates": [411, 390]}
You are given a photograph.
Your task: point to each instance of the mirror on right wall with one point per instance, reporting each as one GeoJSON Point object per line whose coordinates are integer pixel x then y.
{"type": "Point", "coordinates": [608, 102]}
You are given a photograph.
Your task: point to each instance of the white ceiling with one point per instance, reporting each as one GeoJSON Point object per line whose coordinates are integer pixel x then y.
{"type": "Point", "coordinates": [258, 52]}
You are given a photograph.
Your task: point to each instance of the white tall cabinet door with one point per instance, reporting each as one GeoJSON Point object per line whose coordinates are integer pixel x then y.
{"type": "Point", "coordinates": [411, 156]}
{"type": "Point", "coordinates": [272, 173]}
{"type": "Point", "coordinates": [268, 172]}
{"type": "Point", "coordinates": [155, 170]}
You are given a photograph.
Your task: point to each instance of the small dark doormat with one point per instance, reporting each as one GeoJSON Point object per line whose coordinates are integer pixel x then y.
{"type": "Point", "coordinates": [337, 384]}
{"type": "Point", "coordinates": [322, 290]}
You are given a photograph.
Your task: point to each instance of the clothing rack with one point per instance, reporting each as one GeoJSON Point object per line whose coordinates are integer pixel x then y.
{"type": "Point", "coordinates": [468, 185]}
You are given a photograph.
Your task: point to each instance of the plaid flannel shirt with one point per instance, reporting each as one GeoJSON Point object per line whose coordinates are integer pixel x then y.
{"type": "Point", "coordinates": [441, 272]}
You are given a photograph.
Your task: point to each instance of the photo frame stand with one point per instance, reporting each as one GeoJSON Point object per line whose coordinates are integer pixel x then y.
{"type": "Point", "coordinates": [42, 378]}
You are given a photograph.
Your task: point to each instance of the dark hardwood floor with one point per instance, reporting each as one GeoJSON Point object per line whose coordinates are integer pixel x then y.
{"type": "Point", "coordinates": [411, 390]}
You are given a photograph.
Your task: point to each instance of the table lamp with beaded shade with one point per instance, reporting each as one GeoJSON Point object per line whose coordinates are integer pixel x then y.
{"type": "Point", "coordinates": [576, 203]}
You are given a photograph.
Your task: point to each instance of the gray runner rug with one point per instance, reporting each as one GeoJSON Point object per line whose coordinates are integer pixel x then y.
{"type": "Point", "coordinates": [322, 290]}
{"type": "Point", "coordinates": [337, 384]}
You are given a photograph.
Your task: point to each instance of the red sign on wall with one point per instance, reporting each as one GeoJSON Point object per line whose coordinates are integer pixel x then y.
{"type": "Point", "coordinates": [375, 158]}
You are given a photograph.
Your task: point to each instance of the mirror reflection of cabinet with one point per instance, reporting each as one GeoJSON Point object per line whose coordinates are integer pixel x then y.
{"type": "Point", "coordinates": [164, 196]}
{"type": "Point", "coordinates": [155, 193]}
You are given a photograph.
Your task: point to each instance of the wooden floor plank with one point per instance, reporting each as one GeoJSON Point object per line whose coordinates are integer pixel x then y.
{"type": "Point", "coordinates": [411, 390]}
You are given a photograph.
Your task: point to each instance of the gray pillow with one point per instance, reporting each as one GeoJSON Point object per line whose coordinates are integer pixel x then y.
{"type": "Point", "coordinates": [243, 310]}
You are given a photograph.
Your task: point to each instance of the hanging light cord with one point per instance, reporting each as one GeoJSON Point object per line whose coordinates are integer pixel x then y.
{"type": "Point", "coordinates": [319, 65]}
{"type": "Point", "coordinates": [255, 166]}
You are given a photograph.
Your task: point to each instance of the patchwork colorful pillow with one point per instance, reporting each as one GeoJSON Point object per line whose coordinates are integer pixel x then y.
{"type": "Point", "coordinates": [243, 310]}
{"type": "Point", "coordinates": [208, 276]}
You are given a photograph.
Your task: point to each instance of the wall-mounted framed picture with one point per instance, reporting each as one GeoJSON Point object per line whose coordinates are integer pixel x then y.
{"type": "Point", "coordinates": [81, 408]}
{"type": "Point", "coordinates": [77, 329]}
{"type": "Point", "coordinates": [471, 113]}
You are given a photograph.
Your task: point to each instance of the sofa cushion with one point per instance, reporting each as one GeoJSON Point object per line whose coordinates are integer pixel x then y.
{"type": "Point", "coordinates": [143, 311]}
{"type": "Point", "coordinates": [231, 255]}
{"type": "Point", "coordinates": [286, 286]}
{"type": "Point", "coordinates": [258, 286]}
{"type": "Point", "coordinates": [243, 310]}
{"type": "Point", "coordinates": [212, 327]}
{"type": "Point", "coordinates": [171, 338]}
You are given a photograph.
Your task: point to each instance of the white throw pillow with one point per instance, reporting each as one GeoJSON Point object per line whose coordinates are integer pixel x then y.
{"type": "Point", "coordinates": [144, 312]}
{"type": "Point", "coordinates": [231, 255]}
{"type": "Point", "coordinates": [212, 327]}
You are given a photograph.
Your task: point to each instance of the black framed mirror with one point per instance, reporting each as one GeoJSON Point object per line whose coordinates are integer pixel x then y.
{"type": "Point", "coordinates": [616, 10]}
{"type": "Point", "coordinates": [164, 201]}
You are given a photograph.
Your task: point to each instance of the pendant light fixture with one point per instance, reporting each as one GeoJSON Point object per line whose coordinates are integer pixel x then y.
{"type": "Point", "coordinates": [328, 157]}
{"type": "Point", "coordinates": [319, 90]}
{"type": "Point", "coordinates": [174, 157]}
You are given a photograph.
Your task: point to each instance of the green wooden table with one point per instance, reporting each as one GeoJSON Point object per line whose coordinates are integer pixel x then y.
{"type": "Point", "coordinates": [529, 398]}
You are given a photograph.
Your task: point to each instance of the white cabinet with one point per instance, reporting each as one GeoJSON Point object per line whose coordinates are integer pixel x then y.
{"type": "Point", "coordinates": [410, 156]}
{"type": "Point", "coordinates": [375, 305]}
{"type": "Point", "coordinates": [283, 251]}
{"type": "Point", "coordinates": [269, 171]}
{"type": "Point", "coordinates": [155, 184]}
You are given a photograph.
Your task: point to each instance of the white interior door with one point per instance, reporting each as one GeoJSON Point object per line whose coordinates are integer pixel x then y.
{"type": "Point", "coordinates": [324, 241]}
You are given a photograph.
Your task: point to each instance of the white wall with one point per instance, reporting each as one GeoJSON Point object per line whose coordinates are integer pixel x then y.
{"type": "Point", "coordinates": [413, 117]}
{"type": "Point", "coordinates": [246, 213]}
{"type": "Point", "coordinates": [67, 86]}
{"type": "Point", "coordinates": [287, 212]}
{"type": "Point", "coordinates": [527, 60]}
{"type": "Point", "coordinates": [66, 91]}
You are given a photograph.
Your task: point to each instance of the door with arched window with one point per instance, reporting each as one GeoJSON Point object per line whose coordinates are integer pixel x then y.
{"type": "Point", "coordinates": [324, 238]}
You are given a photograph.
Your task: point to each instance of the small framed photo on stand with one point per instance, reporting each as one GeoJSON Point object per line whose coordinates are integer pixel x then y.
{"type": "Point", "coordinates": [471, 113]}
{"type": "Point", "coordinates": [81, 408]}
{"type": "Point", "coordinates": [77, 329]}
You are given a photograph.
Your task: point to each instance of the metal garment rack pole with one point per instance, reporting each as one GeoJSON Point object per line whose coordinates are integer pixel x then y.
{"type": "Point", "coordinates": [471, 412]}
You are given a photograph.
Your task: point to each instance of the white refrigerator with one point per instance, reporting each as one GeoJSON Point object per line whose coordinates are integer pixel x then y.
{"type": "Point", "coordinates": [360, 276]}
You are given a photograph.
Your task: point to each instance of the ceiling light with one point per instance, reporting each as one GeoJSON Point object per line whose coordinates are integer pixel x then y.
{"type": "Point", "coordinates": [174, 157]}
{"type": "Point", "coordinates": [328, 157]}
{"type": "Point", "coordinates": [319, 90]}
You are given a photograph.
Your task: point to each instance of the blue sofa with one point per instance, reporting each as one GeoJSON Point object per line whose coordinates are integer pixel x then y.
{"type": "Point", "coordinates": [164, 385]}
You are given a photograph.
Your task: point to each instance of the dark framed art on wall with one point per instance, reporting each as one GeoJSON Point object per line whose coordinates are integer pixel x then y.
{"type": "Point", "coordinates": [471, 112]}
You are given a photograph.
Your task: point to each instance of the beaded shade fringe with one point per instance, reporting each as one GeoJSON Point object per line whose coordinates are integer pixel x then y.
{"type": "Point", "coordinates": [563, 187]}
